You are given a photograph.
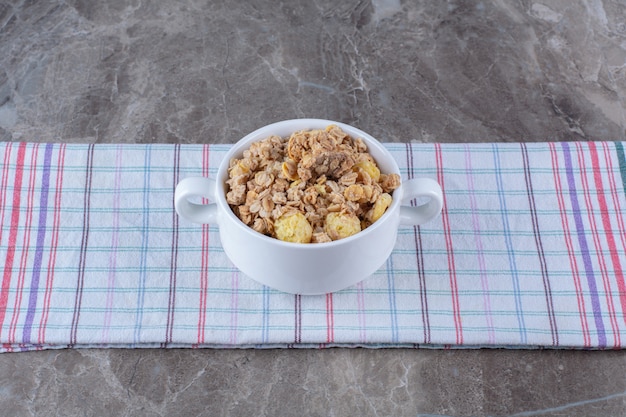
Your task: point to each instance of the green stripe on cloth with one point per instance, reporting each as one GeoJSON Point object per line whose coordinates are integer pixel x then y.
{"type": "Point", "coordinates": [621, 158]}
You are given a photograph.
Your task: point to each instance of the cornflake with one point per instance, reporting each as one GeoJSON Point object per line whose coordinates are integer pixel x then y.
{"type": "Point", "coordinates": [315, 186]}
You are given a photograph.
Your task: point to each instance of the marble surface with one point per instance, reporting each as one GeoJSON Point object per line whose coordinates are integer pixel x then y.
{"type": "Point", "coordinates": [211, 71]}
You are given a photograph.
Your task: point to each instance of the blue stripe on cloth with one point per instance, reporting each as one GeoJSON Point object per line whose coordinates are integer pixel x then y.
{"type": "Point", "coordinates": [393, 327]}
{"type": "Point", "coordinates": [266, 315]}
{"type": "Point", "coordinates": [506, 228]}
{"type": "Point", "coordinates": [145, 244]}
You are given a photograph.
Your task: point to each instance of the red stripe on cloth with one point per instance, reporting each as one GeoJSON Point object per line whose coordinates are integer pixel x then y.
{"type": "Point", "coordinates": [54, 242]}
{"type": "Point", "coordinates": [21, 275]}
{"type": "Point", "coordinates": [591, 210]}
{"type": "Point", "coordinates": [606, 223]}
{"type": "Point", "coordinates": [580, 298]}
{"type": "Point", "coordinates": [204, 261]}
{"type": "Point", "coordinates": [615, 194]}
{"type": "Point", "coordinates": [15, 218]}
{"type": "Point", "coordinates": [330, 319]}
{"type": "Point", "coordinates": [3, 185]}
{"type": "Point", "coordinates": [204, 284]}
{"type": "Point", "coordinates": [456, 310]}
{"type": "Point", "coordinates": [3, 195]}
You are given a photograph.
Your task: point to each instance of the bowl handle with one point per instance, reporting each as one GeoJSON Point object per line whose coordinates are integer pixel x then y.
{"type": "Point", "coordinates": [196, 187]}
{"type": "Point", "coordinates": [419, 188]}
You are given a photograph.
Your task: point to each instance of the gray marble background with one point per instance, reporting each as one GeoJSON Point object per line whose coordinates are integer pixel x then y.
{"type": "Point", "coordinates": [196, 71]}
{"type": "Point", "coordinates": [212, 71]}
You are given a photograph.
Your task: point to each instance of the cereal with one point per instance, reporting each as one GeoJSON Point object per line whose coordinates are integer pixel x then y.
{"type": "Point", "coordinates": [380, 206]}
{"type": "Point", "coordinates": [367, 164]}
{"type": "Point", "coordinates": [315, 186]}
{"type": "Point", "coordinates": [293, 227]}
{"type": "Point", "coordinates": [341, 225]}
{"type": "Point", "coordinates": [354, 192]}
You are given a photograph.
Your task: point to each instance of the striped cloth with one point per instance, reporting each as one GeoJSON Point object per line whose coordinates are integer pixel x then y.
{"type": "Point", "coordinates": [528, 252]}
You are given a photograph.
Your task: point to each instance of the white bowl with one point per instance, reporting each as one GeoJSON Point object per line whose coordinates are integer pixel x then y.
{"type": "Point", "coordinates": [315, 268]}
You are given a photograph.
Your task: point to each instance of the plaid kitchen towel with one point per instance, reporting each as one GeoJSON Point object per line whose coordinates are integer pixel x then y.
{"type": "Point", "coordinates": [528, 252]}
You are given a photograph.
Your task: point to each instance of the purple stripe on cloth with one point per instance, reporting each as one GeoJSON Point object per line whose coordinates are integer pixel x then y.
{"type": "Point", "coordinates": [171, 305]}
{"type": "Point", "coordinates": [540, 252]}
{"type": "Point", "coordinates": [83, 246]}
{"type": "Point", "coordinates": [298, 319]}
{"type": "Point", "coordinates": [419, 254]}
{"type": "Point", "coordinates": [41, 234]}
{"type": "Point", "coordinates": [584, 247]}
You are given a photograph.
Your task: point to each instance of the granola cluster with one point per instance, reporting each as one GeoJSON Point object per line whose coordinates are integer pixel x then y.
{"type": "Point", "coordinates": [315, 186]}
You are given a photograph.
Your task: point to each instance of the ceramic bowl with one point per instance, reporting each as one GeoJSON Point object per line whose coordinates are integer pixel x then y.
{"type": "Point", "coordinates": [315, 268]}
